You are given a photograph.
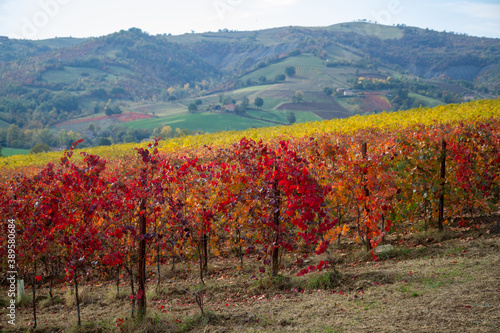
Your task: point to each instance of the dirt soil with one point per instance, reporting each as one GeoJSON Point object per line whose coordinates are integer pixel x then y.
{"type": "Point", "coordinates": [430, 282]}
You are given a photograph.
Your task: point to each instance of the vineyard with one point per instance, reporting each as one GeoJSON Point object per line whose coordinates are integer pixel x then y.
{"type": "Point", "coordinates": [374, 101]}
{"type": "Point", "coordinates": [273, 203]}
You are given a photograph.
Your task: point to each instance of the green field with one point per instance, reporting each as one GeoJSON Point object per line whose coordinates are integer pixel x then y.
{"type": "Point", "coordinates": [426, 101]}
{"type": "Point", "coordinates": [69, 74]}
{"type": "Point", "coordinates": [252, 89]}
{"type": "Point", "coordinates": [306, 61]}
{"type": "Point", "coordinates": [281, 116]}
{"type": "Point", "coordinates": [368, 29]}
{"type": "Point", "coordinates": [159, 109]}
{"type": "Point", "coordinates": [272, 103]}
{"type": "Point", "coordinates": [57, 43]}
{"type": "Point", "coordinates": [208, 122]}
{"type": "Point", "coordinates": [14, 151]}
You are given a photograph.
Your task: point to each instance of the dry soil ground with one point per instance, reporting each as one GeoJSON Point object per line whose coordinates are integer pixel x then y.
{"type": "Point", "coordinates": [431, 282]}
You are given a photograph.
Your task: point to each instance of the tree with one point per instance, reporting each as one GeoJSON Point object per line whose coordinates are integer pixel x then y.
{"type": "Point", "coordinates": [104, 142]}
{"type": "Point", "coordinates": [14, 136]}
{"type": "Point", "coordinates": [117, 110]}
{"type": "Point", "coordinates": [99, 93]}
{"type": "Point", "coordinates": [192, 108]}
{"type": "Point", "coordinates": [66, 138]}
{"type": "Point", "coordinates": [298, 97]}
{"type": "Point", "coordinates": [238, 109]}
{"type": "Point", "coordinates": [44, 136]}
{"type": "Point", "coordinates": [108, 112]}
{"type": "Point", "coordinates": [328, 91]}
{"type": "Point", "coordinates": [259, 102]}
{"type": "Point", "coordinates": [0, 150]}
{"type": "Point", "coordinates": [40, 148]}
{"type": "Point", "coordinates": [280, 78]}
{"type": "Point", "coordinates": [118, 92]}
{"type": "Point", "coordinates": [244, 103]}
{"type": "Point", "coordinates": [198, 102]}
{"type": "Point", "coordinates": [291, 117]}
{"type": "Point", "coordinates": [290, 71]}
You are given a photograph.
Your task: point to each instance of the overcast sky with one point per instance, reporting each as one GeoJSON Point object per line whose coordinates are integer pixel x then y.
{"type": "Point", "coordinates": [40, 19]}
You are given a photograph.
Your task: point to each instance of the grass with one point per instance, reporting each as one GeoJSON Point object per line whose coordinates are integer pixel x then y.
{"type": "Point", "coordinates": [92, 327]}
{"type": "Point", "coordinates": [425, 101]}
{"type": "Point", "coordinates": [380, 31]}
{"type": "Point", "coordinates": [448, 286]}
{"type": "Point", "coordinates": [69, 74]}
{"type": "Point", "coordinates": [26, 301]}
{"type": "Point", "coordinates": [56, 43]}
{"type": "Point", "coordinates": [111, 294]}
{"type": "Point", "coordinates": [281, 116]}
{"type": "Point", "coordinates": [14, 151]}
{"type": "Point", "coordinates": [208, 122]}
{"type": "Point", "coordinates": [197, 322]}
{"type": "Point", "coordinates": [48, 302]}
{"type": "Point", "coordinates": [251, 89]}
{"type": "Point", "coordinates": [304, 61]}
{"type": "Point", "coordinates": [272, 103]}
{"type": "Point", "coordinates": [85, 296]}
{"type": "Point", "coordinates": [159, 109]}
{"type": "Point", "coordinates": [322, 281]}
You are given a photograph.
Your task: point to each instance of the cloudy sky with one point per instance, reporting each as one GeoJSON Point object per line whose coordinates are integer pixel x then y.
{"type": "Point", "coordinates": [40, 19]}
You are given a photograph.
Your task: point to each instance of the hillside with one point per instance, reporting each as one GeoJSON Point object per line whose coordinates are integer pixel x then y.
{"type": "Point", "coordinates": [75, 86]}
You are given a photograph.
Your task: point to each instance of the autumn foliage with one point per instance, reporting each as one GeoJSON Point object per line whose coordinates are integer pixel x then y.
{"type": "Point", "coordinates": [258, 199]}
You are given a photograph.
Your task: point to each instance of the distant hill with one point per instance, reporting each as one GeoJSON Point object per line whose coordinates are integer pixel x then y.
{"type": "Point", "coordinates": [331, 72]}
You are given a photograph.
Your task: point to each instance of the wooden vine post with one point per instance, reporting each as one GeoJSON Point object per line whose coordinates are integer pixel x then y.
{"type": "Point", "coordinates": [34, 298]}
{"type": "Point", "coordinates": [141, 294]}
{"type": "Point", "coordinates": [364, 151]}
{"type": "Point", "coordinates": [276, 220]}
{"type": "Point", "coordinates": [443, 181]}
{"type": "Point", "coordinates": [77, 299]}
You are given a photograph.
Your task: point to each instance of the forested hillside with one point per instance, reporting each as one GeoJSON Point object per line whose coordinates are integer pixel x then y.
{"type": "Point", "coordinates": [294, 73]}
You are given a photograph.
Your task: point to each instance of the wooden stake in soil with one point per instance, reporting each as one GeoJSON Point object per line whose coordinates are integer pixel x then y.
{"type": "Point", "coordinates": [118, 280]}
{"type": "Point", "coordinates": [205, 251]}
{"type": "Point", "coordinates": [131, 276]}
{"type": "Point", "coordinates": [141, 306]}
{"type": "Point", "coordinates": [34, 298]}
{"type": "Point", "coordinates": [201, 267]}
{"type": "Point", "coordinates": [77, 299]}
{"type": "Point", "coordinates": [275, 255]}
{"type": "Point", "coordinates": [158, 258]}
{"type": "Point", "coordinates": [51, 285]}
{"type": "Point", "coordinates": [443, 181]}
{"type": "Point", "coordinates": [364, 151]}
{"type": "Point", "coordinates": [240, 250]}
